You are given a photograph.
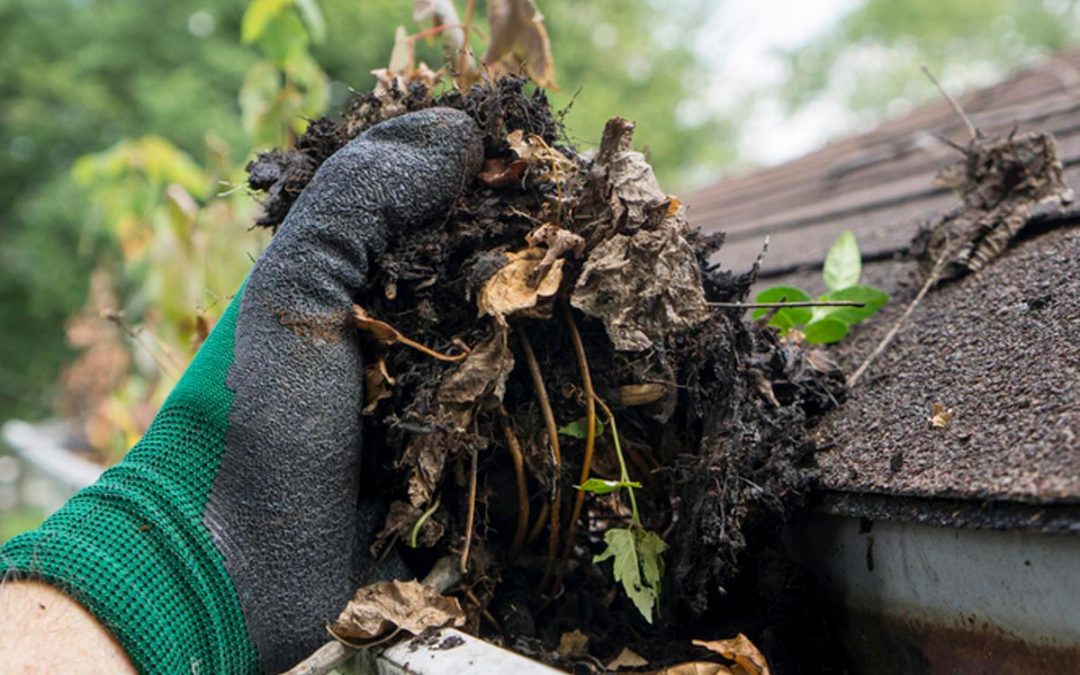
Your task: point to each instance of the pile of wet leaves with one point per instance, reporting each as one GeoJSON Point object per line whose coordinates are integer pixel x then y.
{"type": "Point", "coordinates": [545, 368]}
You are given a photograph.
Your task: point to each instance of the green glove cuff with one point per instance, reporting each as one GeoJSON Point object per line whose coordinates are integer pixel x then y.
{"type": "Point", "coordinates": [132, 548]}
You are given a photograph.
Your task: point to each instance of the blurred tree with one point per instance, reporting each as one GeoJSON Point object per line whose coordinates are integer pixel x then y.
{"type": "Point", "coordinates": [870, 59]}
{"type": "Point", "coordinates": [78, 76]}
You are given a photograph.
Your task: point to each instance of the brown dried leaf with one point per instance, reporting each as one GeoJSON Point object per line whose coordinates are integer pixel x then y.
{"type": "Point", "coordinates": [382, 607]}
{"type": "Point", "coordinates": [1001, 181]}
{"type": "Point", "coordinates": [573, 645]}
{"type": "Point", "coordinates": [627, 658]}
{"type": "Point", "coordinates": [483, 374]}
{"type": "Point", "coordinates": [631, 395]}
{"type": "Point", "coordinates": [624, 178]}
{"type": "Point", "coordinates": [479, 379]}
{"type": "Point", "coordinates": [498, 172]}
{"type": "Point", "coordinates": [697, 668]}
{"type": "Point", "coordinates": [940, 416]}
{"type": "Point", "coordinates": [740, 650]}
{"type": "Point", "coordinates": [519, 39]}
{"type": "Point", "coordinates": [644, 287]}
{"type": "Point", "coordinates": [553, 166]}
{"type": "Point", "coordinates": [380, 330]}
{"type": "Point", "coordinates": [513, 292]}
{"type": "Point", "coordinates": [441, 13]}
{"type": "Point", "coordinates": [377, 385]}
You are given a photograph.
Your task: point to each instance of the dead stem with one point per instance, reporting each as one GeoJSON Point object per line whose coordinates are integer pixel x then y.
{"type": "Point", "coordinates": [590, 440]}
{"type": "Point", "coordinates": [471, 517]}
{"type": "Point", "coordinates": [483, 610]}
{"type": "Point", "coordinates": [931, 279]}
{"type": "Point", "coordinates": [522, 488]}
{"type": "Point", "coordinates": [538, 527]}
{"type": "Point", "coordinates": [431, 352]}
{"type": "Point", "coordinates": [972, 129]}
{"type": "Point", "coordinates": [553, 438]}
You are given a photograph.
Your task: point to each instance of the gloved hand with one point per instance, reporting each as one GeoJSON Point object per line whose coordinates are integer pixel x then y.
{"type": "Point", "coordinates": [227, 537]}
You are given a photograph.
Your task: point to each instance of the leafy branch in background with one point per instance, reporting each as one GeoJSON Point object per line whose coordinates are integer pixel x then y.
{"type": "Point", "coordinates": [824, 325]}
{"type": "Point", "coordinates": [286, 87]}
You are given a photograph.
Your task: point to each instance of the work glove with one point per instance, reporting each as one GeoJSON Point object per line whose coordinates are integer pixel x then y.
{"type": "Point", "coordinates": [229, 536]}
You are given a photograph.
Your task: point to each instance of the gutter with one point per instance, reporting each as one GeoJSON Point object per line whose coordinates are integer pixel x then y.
{"type": "Point", "coordinates": [948, 586]}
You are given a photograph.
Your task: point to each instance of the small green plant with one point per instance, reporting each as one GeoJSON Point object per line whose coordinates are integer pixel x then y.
{"type": "Point", "coordinates": [636, 553]}
{"type": "Point", "coordinates": [823, 325]}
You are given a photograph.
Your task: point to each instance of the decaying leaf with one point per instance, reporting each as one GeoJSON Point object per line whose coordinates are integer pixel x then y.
{"type": "Point", "coordinates": [519, 40]}
{"type": "Point", "coordinates": [624, 179]}
{"type": "Point", "coordinates": [441, 13]}
{"type": "Point", "coordinates": [387, 334]}
{"type": "Point", "coordinates": [697, 668]}
{"type": "Point", "coordinates": [1000, 182]}
{"type": "Point", "coordinates": [637, 565]}
{"type": "Point", "coordinates": [385, 606]}
{"type": "Point", "coordinates": [627, 658]}
{"type": "Point", "coordinates": [400, 521]}
{"type": "Point", "coordinates": [644, 287]}
{"type": "Point", "coordinates": [515, 291]}
{"type": "Point", "coordinates": [480, 376]}
{"type": "Point", "coordinates": [573, 644]}
{"type": "Point", "coordinates": [499, 172]}
{"type": "Point", "coordinates": [559, 241]}
{"type": "Point", "coordinates": [940, 416]}
{"type": "Point", "coordinates": [741, 650]}
{"type": "Point", "coordinates": [547, 163]}
{"type": "Point", "coordinates": [478, 381]}
{"type": "Point", "coordinates": [392, 82]}
{"type": "Point", "coordinates": [377, 385]}
{"type": "Point", "coordinates": [631, 395]}
{"type": "Point", "coordinates": [380, 330]}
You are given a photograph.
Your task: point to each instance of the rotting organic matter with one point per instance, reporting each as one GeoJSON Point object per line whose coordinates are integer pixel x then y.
{"type": "Point", "coordinates": [711, 408]}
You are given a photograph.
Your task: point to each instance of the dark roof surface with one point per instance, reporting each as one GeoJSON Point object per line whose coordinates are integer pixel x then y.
{"type": "Point", "coordinates": [1000, 349]}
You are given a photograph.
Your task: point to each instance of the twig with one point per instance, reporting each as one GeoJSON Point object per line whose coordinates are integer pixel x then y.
{"type": "Point", "coordinates": [931, 279]}
{"type": "Point", "coordinates": [471, 516]}
{"type": "Point", "coordinates": [590, 440]}
{"type": "Point", "coordinates": [553, 438]}
{"type": "Point", "coordinates": [781, 305]}
{"type": "Point", "coordinates": [325, 659]}
{"type": "Point", "coordinates": [415, 534]}
{"type": "Point", "coordinates": [972, 129]}
{"type": "Point", "coordinates": [171, 368]}
{"type": "Point", "coordinates": [483, 610]}
{"type": "Point", "coordinates": [518, 458]}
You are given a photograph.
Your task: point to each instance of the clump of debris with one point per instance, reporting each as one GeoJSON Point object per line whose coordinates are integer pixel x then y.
{"type": "Point", "coordinates": [557, 404]}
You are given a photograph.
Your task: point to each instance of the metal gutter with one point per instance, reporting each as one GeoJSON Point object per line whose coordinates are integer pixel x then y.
{"type": "Point", "coordinates": [911, 597]}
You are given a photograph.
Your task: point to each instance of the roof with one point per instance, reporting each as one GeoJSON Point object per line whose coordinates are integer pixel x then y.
{"type": "Point", "coordinates": [999, 348]}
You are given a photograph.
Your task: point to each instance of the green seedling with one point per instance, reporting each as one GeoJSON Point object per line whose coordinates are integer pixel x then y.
{"type": "Point", "coordinates": [824, 325]}
{"type": "Point", "coordinates": [636, 553]}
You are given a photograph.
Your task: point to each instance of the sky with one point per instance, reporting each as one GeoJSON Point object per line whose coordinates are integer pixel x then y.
{"type": "Point", "coordinates": [744, 40]}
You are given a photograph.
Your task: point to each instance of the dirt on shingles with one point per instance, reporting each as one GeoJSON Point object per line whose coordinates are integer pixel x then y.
{"type": "Point", "coordinates": [999, 349]}
{"type": "Point", "coordinates": [720, 450]}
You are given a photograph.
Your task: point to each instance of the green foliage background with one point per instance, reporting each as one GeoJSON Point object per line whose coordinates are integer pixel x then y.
{"type": "Point", "coordinates": [78, 76]}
